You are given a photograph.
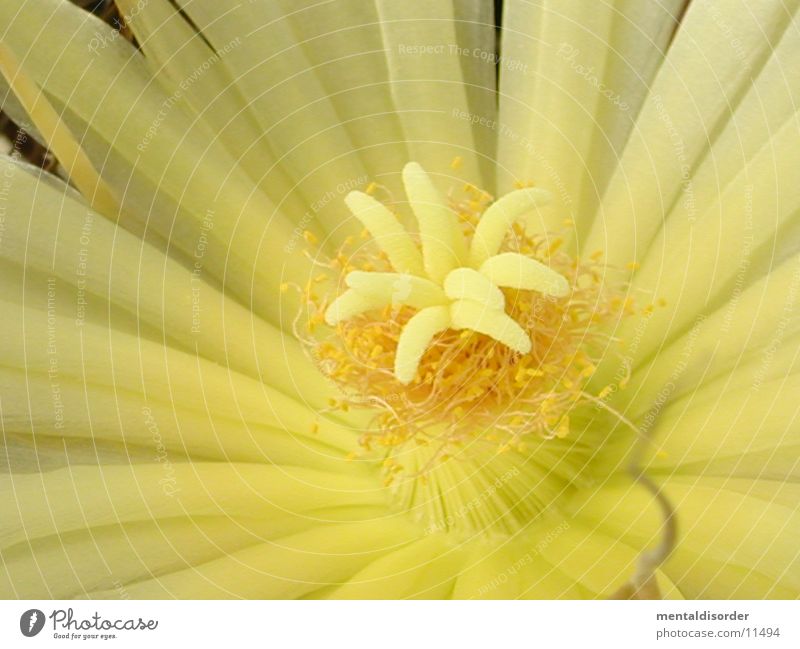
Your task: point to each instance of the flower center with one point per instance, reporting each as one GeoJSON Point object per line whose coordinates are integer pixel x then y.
{"type": "Point", "coordinates": [472, 339]}
{"type": "Point", "coordinates": [449, 286]}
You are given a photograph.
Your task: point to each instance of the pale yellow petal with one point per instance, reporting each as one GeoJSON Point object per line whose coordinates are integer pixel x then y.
{"type": "Point", "coordinates": [425, 569]}
{"type": "Point", "coordinates": [288, 100]}
{"type": "Point", "coordinates": [736, 538]}
{"type": "Point", "coordinates": [426, 54]}
{"type": "Point", "coordinates": [291, 567]}
{"type": "Point", "coordinates": [712, 69]}
{"type": "Point", "coordinates": [187, 68]}
{"type": "Point", "coordinates": [95, 265]}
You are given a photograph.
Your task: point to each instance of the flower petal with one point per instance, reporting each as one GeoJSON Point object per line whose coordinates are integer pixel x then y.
{"type": "Point", "coordinates": [736, 538]}
{"type": "Point", "coordinates": [572, 78]}
{"type": "Point", "coordinates": [738, 343]}
{"type": "Point", "coordinates": [186, 67]}
{"type": "Point", "coordinates": [751, 431]}
{"type": "Point", "coordinates": [286, 97]}
{"type": "Point", "coordinates": [723, 94]}
{"type": "Point", "coordinates": [96, 263]}
{"type": "Point", "coordinates": [291, 567]}
{"type": "Point", "coordinates": [424, 569]}
{"type": "Point", "coordinates": [726, 245]}
{"type": "Point", "coordinates": [94, 496]}
{"type": "Point", "coordinates": [428, 59]}
{"type": "Point", "coordinates": [170, 176]}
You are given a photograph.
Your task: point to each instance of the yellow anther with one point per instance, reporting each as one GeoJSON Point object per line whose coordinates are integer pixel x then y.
{"type": "Point", "coordinates": [555, 245]}
{"type": "Point", "coordinates": [527, 373]}
{"type": "Point", "coordinates": [562, 430]}
{"type": "Point", "coordinates": [605, 392]}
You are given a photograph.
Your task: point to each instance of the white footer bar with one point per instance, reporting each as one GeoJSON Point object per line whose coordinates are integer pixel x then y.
{"type": "Point", "coordinates": [389, 624]}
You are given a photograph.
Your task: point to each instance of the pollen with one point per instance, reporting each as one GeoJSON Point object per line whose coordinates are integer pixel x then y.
{"type": "Point", "coordinates": [470, 329]}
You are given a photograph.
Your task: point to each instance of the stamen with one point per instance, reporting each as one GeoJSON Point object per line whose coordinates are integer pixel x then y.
{"type": "Point", "coordinates": [448, 357]}
{"type": "Point", "coordinates": [476, 302]}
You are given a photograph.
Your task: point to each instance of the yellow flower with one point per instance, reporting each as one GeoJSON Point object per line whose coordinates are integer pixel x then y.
{"type": "Point", "coordinates": [233, 364]}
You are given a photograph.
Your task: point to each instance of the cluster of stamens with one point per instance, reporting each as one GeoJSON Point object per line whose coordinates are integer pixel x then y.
{"type": "Point", "coordinates": [451, 343]}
